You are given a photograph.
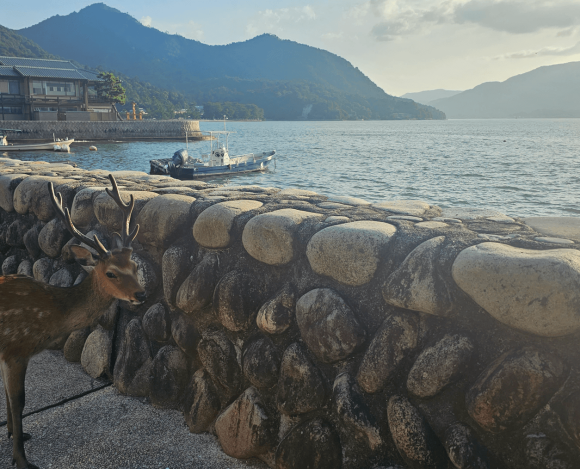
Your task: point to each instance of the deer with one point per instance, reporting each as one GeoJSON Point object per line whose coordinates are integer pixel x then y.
{"type": "Point", "coordinates": [33, 314]}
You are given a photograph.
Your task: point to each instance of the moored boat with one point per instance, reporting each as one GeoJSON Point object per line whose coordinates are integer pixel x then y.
{"type": "Point", "coordinates": [56, 145]}
{"type": "Point", "coordinates": [216, 163]}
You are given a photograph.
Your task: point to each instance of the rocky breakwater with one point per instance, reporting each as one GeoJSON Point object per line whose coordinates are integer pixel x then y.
{"type": "Point", "coordinates": [323, 333]}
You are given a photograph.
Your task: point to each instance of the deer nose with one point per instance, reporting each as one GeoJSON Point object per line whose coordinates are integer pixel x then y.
{"type": "Point", "coordinates": [141, 296]}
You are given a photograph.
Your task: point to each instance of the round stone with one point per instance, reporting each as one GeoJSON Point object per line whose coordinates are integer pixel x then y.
{"type": "Point", "coordinates": [533, 291]}
{"type": "Point", "coordinates": [350, 252]}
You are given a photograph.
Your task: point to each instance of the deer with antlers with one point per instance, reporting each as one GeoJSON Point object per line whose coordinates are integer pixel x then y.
{"type": "Point", "coordinates": [33, 314]}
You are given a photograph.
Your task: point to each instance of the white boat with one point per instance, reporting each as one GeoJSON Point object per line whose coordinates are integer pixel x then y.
{"type": "Point", "coordinates": [217, 162]}
{"type": "Point", "coordinates": [56, 145]}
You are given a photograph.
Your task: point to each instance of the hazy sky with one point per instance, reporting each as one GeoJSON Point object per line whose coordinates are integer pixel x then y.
{"type": "Point", "coordinates": [401, 45]}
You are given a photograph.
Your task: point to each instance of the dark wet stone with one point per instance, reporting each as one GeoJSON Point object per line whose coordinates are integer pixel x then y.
{"type": "Point", "coordinates": [202, 402]}
{"type": "Point", "coordinates": [353, 411]}
{"type": "Point", "coordinates": [261, 363]}
{"type": "Point", "coordinates": [328, 325]}
{"type": "Point", "coordinates": [301, 384]}
{"type": "Point", "coordinates": [156, 323]}
{"type": "Point", "coordinates": [395, 340]}
{"type": "Point", "coordinates": [185, 333]}
{"type": "Point", "coordinates": [311, 445]}
{"type": "Point", "coordinates": [31, 241]}
{"type": "Point", "coordinates": [218, 356]}
{"type": "Point", "coordinates": [16, 232]}
{"type": "Point", "coordinates": [196, 292]}
{"type": "Point", "coordinates": [73, 348]}
{"type": "Point", "coordinates": [133, 355]}
{"type": "Point", "coordinates": [175, 266]}
{"type": "Point", "coordinates": [542, 452]}
{"type": "Point", "coordinates": [62, 278]}
{"type": "Point", "coordinates": [417, 443]}
{"type": "Point", "coordinates": [570, 415]}
{"type": "Point", "coordinates": [463, 448]}
{"type": "Point", "coordinates": [277, 314]}
{"type": "Point", "coordinates": [10, 265]}
{"type": "Point", "coordinates": [514, 387]}
{"type": "Point", "coordinates": [42, 269]}
{"type": "Point", "coordinates": [169, 376]}
{"type": "Point", "coordinates": [438, 366]}
{"type": "Point", "coordinates": [236, 300]}
{"type": "Point", "coordinates": [25, 268]}
{"type": "Point", "coordinates": [53, 237]}
{"type": "Point", "coordinates": [246, 428]}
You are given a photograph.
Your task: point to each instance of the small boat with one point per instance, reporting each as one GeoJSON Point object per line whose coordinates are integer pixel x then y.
{"type": "Point", "coordinates": [216, 163]}
{"type": "Point", "coordinates": [56, 145]}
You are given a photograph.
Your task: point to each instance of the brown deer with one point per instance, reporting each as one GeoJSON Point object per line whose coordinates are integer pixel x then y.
{"type": "Point", "coordinates": [33, 315]}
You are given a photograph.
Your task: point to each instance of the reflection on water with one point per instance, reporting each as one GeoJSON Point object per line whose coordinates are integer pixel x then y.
{"type": "Point", "coordinates": [522, 167]}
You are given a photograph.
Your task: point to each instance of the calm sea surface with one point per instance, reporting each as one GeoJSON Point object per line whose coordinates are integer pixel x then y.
{"type": "Point", "coordinates": [521, 167]}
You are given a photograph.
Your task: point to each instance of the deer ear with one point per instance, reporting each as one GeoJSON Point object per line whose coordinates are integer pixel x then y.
{"type": "Point", "coordinates": [83, 256]}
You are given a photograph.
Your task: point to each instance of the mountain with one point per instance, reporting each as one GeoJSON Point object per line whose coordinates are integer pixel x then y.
{"type": "Point", "coordinates": [13, 44]}
{"type": "Point", "coordinates": [551, 91]}
{"type": "Point", "coordinates": [425, 97]}
{"type": "Point", "coordinates": [265, 70]}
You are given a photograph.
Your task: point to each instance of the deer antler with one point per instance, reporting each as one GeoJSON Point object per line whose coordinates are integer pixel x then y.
{"type": "Point", "coordinates": [64, 215]}
{"type": "Point", "coordinates": [126, 236]}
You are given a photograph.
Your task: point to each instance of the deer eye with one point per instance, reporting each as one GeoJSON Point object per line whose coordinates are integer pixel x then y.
{"type": "Point", "coordinates": [111, 275]}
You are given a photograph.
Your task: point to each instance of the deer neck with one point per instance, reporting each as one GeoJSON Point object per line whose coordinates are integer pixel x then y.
{"type": "Point", "coordinates": [85, 303]}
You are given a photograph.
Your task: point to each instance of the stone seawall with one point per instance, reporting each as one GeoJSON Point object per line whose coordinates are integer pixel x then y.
{"type": "Point", "coordinates": [119, 130]}
{"type": "Point", "coordinates": [324, 333]}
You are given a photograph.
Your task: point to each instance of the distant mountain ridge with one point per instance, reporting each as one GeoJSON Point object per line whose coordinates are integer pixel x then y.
{"type": "Point", "coordinates": [550, 91]}
{"type": "Point", "coordinates": [265, 68]}
{"type": "Point", "coordinates": [426, 97]}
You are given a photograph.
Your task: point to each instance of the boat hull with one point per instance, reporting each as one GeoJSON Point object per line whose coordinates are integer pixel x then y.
{"type": "Point", "coordinates": [166, 167]}
{"type": "Point", "coordinates": [34, 146]}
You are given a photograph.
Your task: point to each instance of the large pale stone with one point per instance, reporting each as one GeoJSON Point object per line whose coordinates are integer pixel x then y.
{"type": "Point", "coordinates": [534, 291]}
{"type": "Point", "coordinates": [467, 213]}
{"type": "Point", "coordinates": [32, 195]}
{"type": "Point", "coordinates": [8, 184]}
{"type": "Point", "coordinates": [328, 325]}
{"type": "Point", "coordinates": [213, 228]}
{"type": "Point", "coordinates": [163, 218]}
{"type": "Point", "coordinates": [53, 237]}
{"type": "Point", "coordinates": [108, 212]}
{"type": "Point", "coordinates": [349, 252]}
{"type": "Point", "coordinates": [558, 227]}
{"type": "Point", "coordinates": [270, 237]}
{"type": "Point", "coordinates": [404, 207]}
{"type": "Point", "coordinates": [348, 200]}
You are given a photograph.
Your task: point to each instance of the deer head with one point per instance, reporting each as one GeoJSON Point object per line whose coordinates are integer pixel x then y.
{"type": "Point", "coordinates": [113, 272]}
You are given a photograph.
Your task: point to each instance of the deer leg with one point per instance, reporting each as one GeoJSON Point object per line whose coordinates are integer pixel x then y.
{"type": "Point", "coordinates": [14, 371]}
{"type": "Point", "coordinates": [8, 410]}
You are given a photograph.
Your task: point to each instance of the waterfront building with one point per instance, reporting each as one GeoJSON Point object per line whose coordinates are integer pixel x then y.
{"type": "Point", "coordinates": [50, 90]}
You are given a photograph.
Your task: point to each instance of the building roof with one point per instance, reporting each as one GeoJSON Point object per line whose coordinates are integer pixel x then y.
{"type": "Point", "coordinates": [38, 72]}
{"type": "Point", "coordinates": [44, 68]}
{"type": "Point", "coordinates": [6, 71]}
{"type": "Point", "coordinates": [41, 63]}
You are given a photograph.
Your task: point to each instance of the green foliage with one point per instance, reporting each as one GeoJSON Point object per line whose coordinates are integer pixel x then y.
{"type": "Point", "coordinates": [110, 88]}
{"type": "Point", "coordinates": [232, 111]}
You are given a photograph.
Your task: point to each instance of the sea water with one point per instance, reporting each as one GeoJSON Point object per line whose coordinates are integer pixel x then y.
{"type": "Point", "coordinates": [522, 167]}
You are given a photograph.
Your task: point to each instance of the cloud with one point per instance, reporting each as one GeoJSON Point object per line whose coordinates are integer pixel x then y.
{"type": "Point", "coordinates": [517, 16]}
{"type": "Point", "coordinates": [511, 16]}
{"type": "Point", "coordinates": [546, 51]}
{"type": "Point", "coordinates": [272, 20]}
{"type": "Point", "coordinates": [146, 21]}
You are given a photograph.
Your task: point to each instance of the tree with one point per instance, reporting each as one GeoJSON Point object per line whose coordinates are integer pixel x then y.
{"type": "Point", "coordinates": [110, 88]}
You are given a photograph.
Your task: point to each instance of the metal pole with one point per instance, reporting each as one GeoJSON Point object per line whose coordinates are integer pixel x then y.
{"type": "Point", "coordinates": [2, 104]}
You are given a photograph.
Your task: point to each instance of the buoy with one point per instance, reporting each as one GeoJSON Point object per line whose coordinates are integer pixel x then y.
{"type": "Point", "coordinates": [93, 148]}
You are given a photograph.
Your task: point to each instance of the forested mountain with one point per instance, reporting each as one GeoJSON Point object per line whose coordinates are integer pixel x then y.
{"type": "Point", "coordinates": [158, 103]}
{"type": "Point", "coordinates": [307, 82]}
{"type": "Point", "coordinates": [426, 97]}
{"type": "Point", "coordinates": [551, 91]}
